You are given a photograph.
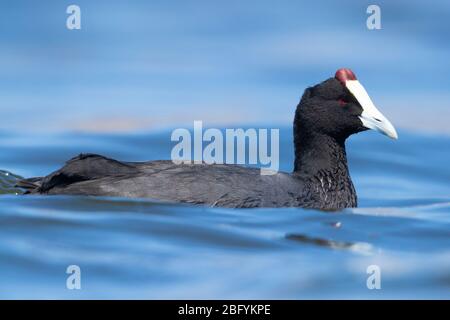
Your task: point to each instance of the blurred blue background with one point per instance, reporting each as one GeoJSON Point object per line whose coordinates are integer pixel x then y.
{"type": "Point", "coordinates": [138, 65]}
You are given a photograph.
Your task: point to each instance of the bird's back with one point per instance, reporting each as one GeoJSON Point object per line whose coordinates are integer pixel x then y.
{"type": "Point", "coordinates": [215, 185]}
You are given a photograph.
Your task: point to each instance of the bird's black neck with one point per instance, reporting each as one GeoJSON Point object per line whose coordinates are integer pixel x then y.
{"type": "Point", "coordinates": [321, 161]}
{"type": "Point", "coordinates": [317, 152]}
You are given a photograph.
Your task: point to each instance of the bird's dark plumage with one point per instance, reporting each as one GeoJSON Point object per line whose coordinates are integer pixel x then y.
{"type": "Point", "coordinates": [326, 116]}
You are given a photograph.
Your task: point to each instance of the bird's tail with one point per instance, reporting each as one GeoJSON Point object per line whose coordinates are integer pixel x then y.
{"type": "Point", "coordinates": [31, 185]}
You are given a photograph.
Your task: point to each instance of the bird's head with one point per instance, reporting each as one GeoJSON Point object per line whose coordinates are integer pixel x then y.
{"type": "Point", "coordinates": [340, 107]}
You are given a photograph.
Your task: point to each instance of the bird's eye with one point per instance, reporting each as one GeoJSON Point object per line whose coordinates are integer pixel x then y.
{"type": "Point", "coordinates": [342, 102]}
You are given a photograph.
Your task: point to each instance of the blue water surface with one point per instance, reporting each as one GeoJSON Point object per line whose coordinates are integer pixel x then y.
{"type": "Point", "coordinates": [146, 249]}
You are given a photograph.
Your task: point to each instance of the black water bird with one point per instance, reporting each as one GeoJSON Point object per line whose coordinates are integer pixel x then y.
{"type": "Point", "coordinates": [328, 113]}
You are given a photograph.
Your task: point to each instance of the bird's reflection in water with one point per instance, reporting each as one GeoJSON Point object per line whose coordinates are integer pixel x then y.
{"type": "Point", "coordinates": [361, 247]}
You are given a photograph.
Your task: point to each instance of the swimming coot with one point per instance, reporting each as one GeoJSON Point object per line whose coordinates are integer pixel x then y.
{"type": "Point", "coordinates": [326, 116]}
